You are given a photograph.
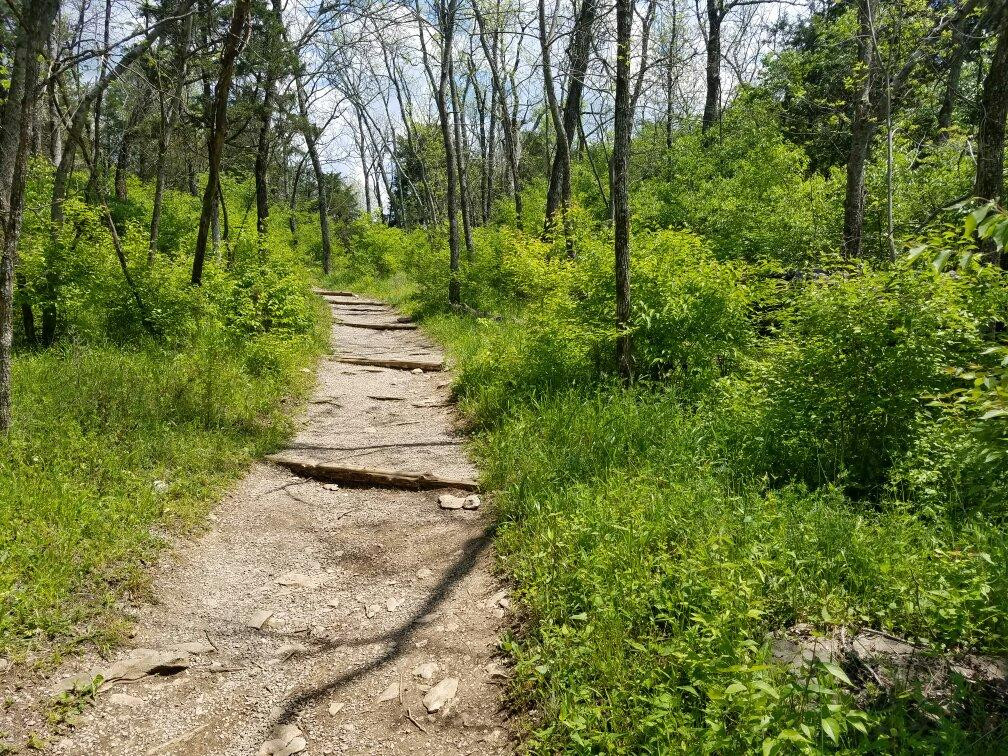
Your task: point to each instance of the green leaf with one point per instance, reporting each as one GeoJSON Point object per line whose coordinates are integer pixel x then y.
{"type": "Point", "coordinates": [832, 729]}
{"type": "Point", "coordinates": [940, 260]}
{"type": "Point", "coordinates": [735, 687]}
{"type": "Point", "coordinates": [837, 672]}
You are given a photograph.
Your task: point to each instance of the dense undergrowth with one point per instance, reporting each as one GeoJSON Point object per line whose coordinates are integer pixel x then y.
{"type": "Point", "coordinates": [807, 442]}
{"type": "Point", "coordinates": [123, 429]}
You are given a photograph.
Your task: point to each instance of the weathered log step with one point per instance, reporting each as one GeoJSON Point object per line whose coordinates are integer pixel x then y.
{"type": "Point", "coordinates": [353, 301]}
{"type": "Point", "coordinates": [361, 476]}
{"type": "Point", "coordinates": [379, 326]}
{"type": "Point", "coordinates": [394, 364]}
{"type": "Point", "coordinates": [331, 293]}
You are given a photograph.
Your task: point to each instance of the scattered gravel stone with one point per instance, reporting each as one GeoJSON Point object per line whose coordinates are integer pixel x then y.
{"type": "Point", "coordinates": [426, 671]}
{"type": "Point", "coordinates": [441, 694]}
{"type": "Point", "coordinates": [423, 573]}
{"type": "Point", "coordinates": [471, 502]}
{"type": "Point", "coordinates": [390, 693]}
{"type": "Point", "coordinates": [260, 618]}
{"type": "Point", "coordinates": [336, 707]}
{"type": "Point", "coordinates": [447, 501]}
{"type": "Point", "coordinates": [125, 699]}
{"type": "Point", "coordinates": [285, 740]}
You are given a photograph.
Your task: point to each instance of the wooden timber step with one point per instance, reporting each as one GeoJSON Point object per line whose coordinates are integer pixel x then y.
{"type": "Point", "coordinates": [330, 293]}
{"type": "Point", "coordinates": [379, 326]}
{"type": "Point", "coordinates": [361, 476]}
{"type": "Point", "coordinates": [395, 364]}
{"type": "Point", "coordinates": [354, 301]}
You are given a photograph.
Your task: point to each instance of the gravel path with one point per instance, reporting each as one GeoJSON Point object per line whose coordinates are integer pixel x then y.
{"type": "Point", "coordinates": [306, 604]}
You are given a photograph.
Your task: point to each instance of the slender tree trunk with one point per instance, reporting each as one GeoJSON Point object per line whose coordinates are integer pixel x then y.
{"type": "Point", "coordinates": [465, 200]}
{"type": "Point", "coordinates": [491, 139]}
{"type": "Point", "coordinates": [712, 103]}
{"type": "Point", "coordinates": [989, 183]}
{"type": "Point", "coordinates": [234, 41]}
{"type": "Point", "coordinates": [275, 23]}
{"type": "Point", "coordinates": [956, 59]}
{"type": "Point", "coordinates": [164, 139]}
{"type": "Point", "coordinates": [54, 127]}
{"type": "Point", "coordinates": [124, 152]}
{"type": "Point", "coordinates": [16, 115]}
{"type": "Point", "coordinates": [559, 181]}
{"type": "Point", "coordinates": [308, 132]}
{"type": "Point", "coordinates": [862, 130]}
{"type": "Point", "coordinates": [446, 20]}
{"type": "Point", "coordinates": [262, 162]}
{"type": "Point", "coordinates": [95, 176]}
{"type": "Point", "coordinates": [363, 160]}
{"type": "Point", "coordinates": [512, 145]}
{"type": "Point", "coordinates": [620, 193]}
{"type": "Point", "coordinates": [292, 217]}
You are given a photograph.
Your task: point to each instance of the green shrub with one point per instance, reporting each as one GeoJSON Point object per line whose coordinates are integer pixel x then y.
{"type": "Point", "coordinates": [841, 388]}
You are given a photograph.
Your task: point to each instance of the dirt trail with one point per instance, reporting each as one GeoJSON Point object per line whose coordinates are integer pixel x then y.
{"type": "Point", "coordinates": [355, 590]}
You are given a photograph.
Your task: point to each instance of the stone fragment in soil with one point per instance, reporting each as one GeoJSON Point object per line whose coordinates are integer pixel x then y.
{"type": "Point", "coordinates": [440, 694]}
{"type": "Point", "coordinates": [447, 501]}
{"type": "Point", "coordinates": [390, 693]}
{"type": "Point", "coordinates": [260, 618]}
{"type": "Point", "coordinates": [471, 502]}
{"type": "Point", "coordinates": [285, 740]}
{"type": "Point", "coordinates": [499, 599]}
{"type": "Point", "coordinates": [126, 700]}
{"type": "Point", "coordinates": [336, 707]}
{"type": "Point", "coordinates": [393, 604]}
{"type": "Point", "coordinates": [426, 671]}
{"type": "Point", "coordinates": [417, 371]}
{"type": "Point", "coordinates": [140, 663]}
{"type": "Point", "coordinates": [287, 651]}
{"type": "Point", "coordinates": [300, 580]}
{"type": "Point", "coordinates": [423, 573]}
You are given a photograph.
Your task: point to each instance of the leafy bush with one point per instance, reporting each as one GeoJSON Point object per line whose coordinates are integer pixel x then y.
{"type": "Point", "coordinates": [841, 388]}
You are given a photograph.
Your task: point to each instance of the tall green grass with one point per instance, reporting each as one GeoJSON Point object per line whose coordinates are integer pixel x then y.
{"type": "Point", "coordinates": [110, 444]}
{"type": "Point", "coordinates": [651, 569]}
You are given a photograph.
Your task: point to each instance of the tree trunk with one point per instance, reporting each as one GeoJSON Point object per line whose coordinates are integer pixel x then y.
{"type": "Point", "coordinates": [491, 139]}
{"type": "Point", "coordinates": [712, 104]}
{"type": "Point", "coordinates": [559, 181]}
{"type": "Point", "coordinates": [235, 39]}
{"type": "Point", "coordinates": [956, 59]}
{"type": "Point", "coordinates": [308, 131]}
{"type": "Point", "coordinates": [95, 176]}
{"type": "Point", "coordinates": [991, 133]}
{"type": "Point", "coordinates": [511, 138]}
{"type": "Point", "coordinates": [465, 200]}
{"type": "Point", "coordinates": [862, 130]}
{"type": "Point", "coordinates": [126, 141]}
{"type": "Point", "coordinates": [623, 124]}
{"type": "Point", "coordinates": [16, 115]}
{"type": "Point", "coordinates": [261, 164]}
{"type": "Point", "coordinates": [446, 21]}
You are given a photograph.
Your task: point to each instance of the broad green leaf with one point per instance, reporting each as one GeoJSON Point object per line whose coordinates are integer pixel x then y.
{"type": "Point", "coordinates": [832, 729]}
{"type": "Point", "coordinates": [837, 672]}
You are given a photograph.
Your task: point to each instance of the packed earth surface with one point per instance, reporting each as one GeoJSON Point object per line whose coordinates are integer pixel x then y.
{"type": "Point", "coordinates": [313, 617]}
